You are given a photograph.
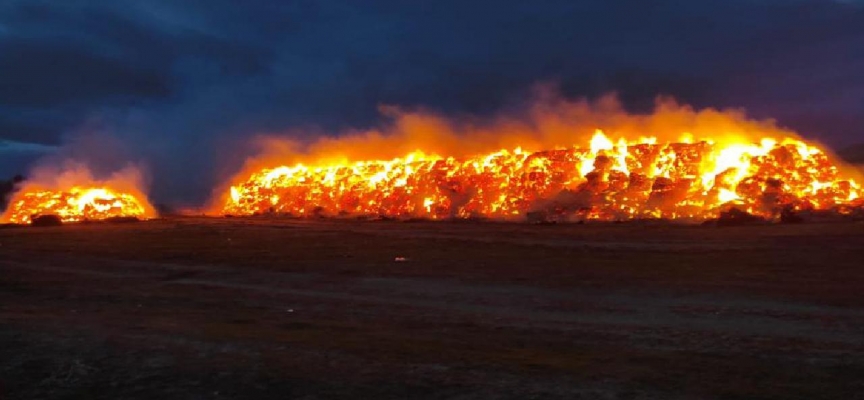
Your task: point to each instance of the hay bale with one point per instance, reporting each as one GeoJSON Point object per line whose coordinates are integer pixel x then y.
{"type": "Point", "coordinates": [537, 217]}
{"type": "Point", "coordinates": [788, 215]}
{"type": "Point", "coordinates": [46, 220]}
{"type": "Point", "coordinates": [736, 217]}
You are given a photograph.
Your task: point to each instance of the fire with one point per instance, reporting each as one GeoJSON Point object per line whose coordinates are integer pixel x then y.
{"type": "Point", "coordinates": [604, 179]}
{"type": "Point", "coordinates": [76, 204]}
{"type": "Point", "coordinates": [71, 193]}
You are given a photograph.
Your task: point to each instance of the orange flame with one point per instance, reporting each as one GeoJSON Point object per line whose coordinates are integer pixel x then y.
{"type": "Point", "coordinates": [606, 180]}
{"type": "Point", "coordinates": [75, 196]}
{"type": "Point", "coordinates": [76, 204]}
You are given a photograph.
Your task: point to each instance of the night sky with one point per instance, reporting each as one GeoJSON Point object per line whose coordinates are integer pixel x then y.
{"type": "Point", "coordinates": [173, 84]}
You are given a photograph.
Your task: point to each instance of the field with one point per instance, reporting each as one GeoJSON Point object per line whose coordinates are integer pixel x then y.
{"type": "Point", "coordinates": [258, 308]}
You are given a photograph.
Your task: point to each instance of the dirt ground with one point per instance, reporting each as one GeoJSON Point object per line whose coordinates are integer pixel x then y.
{"type": "Point", "coordinates": [205, 308]}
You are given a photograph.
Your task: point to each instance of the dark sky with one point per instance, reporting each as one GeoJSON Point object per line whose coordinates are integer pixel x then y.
{"type": "Point", "coordinates": [176, 82]}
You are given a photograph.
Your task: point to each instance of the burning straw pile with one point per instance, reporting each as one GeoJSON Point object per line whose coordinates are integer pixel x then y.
{"type": "Point", "coordinates": [605, 180]}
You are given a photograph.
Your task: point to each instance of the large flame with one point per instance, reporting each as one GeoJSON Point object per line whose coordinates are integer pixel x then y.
{"type": "Point", "coordinates": [606, 179]}
{"type": "Point", "coordinates": [74, 195]}
{"type": "Point", "coordinates": [76, 204]}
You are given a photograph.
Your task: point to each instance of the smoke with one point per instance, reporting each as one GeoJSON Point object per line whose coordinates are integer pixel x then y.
{"type": "Point", "coordinates": [89, 158]}
{"type": "Point", "coordinates": [75, 173]}
{"type": "Point", "coordinates": [91, 154]}
{"type": "Point", "coordinates": [7, 189]}
{"type": "Point", "coordinates": [546, 121]}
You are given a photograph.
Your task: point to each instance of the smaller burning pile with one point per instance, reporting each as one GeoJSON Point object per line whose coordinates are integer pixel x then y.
{"type": "Point", "coordinates": [75, 196]}
{"type": "Point", "coordinates": [75, 204]}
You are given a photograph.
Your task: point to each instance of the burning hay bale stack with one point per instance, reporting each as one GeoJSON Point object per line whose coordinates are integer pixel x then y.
{"type": "Point", "coordinates": [771, 180]}
{"type": "Point", "coordinates": [51, 207]}
{"type": "Point", "coordinates": [73, 194]}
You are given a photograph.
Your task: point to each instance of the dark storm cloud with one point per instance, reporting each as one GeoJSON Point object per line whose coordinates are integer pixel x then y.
{"type": "Point", "coordinates": [182, 83]}
{"type": "Point", "coordinates": [95, 77]}
{"type": "Point", "coordinates": [66, 61]}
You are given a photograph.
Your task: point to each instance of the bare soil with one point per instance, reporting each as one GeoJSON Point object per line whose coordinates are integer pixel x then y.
{"type": "Point", "coordinates": [260, 308]}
